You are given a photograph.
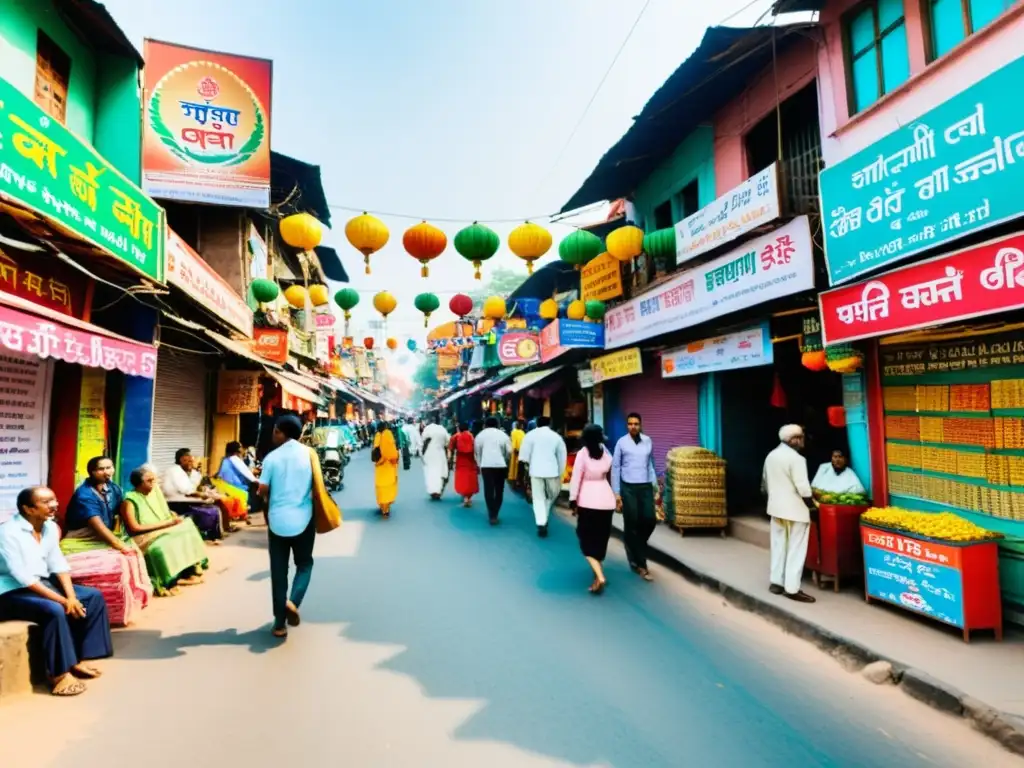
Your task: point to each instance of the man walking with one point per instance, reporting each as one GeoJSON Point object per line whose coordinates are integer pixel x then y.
{"type": "Point", "coordinates": [493, 450]}
{"type": "Point", "coordinates": [435, 458]}
{"type": "Point", "coordinates": [789, 504]}
{"type": "Point", "coordinates": [543, 451]}
{"type": "Point", "coordinates": [636, 492]}
{"type": "Point", "coordinates": [287, 483]}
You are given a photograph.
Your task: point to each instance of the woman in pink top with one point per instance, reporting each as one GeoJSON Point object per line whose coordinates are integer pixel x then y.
{"type": "Point", "coordinates": [593, 501]}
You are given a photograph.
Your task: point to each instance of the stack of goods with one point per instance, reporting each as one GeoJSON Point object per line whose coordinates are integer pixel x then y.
{"type": "Point", "coordinates": [843, 358]}
{"type": "Point", "coordinates": [904, 455]}
{"type": "Point", "coordinates": [900, 398]}
{"type": "Point", "coordinates": [113, 574]}
{"type": "Point", "coordinates": [970, 397]}
{"type": "Point", "coordinates": [845, 499]}
{"type": "Point", "coordinates": [1008, 393]}
{"type": "Point", "coordinates": [944, 526]}
{"type": "Point", "coordinates": [935, 398]}
{"type": "Point", "coordinates": [695, 489]}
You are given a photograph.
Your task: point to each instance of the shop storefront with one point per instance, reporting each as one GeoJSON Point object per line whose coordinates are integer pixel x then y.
{"type": "Point", "coordinates": [181, 408]}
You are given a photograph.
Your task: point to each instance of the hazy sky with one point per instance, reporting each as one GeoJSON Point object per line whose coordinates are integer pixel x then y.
{"type": "Point", "coordinates": [443, 108]}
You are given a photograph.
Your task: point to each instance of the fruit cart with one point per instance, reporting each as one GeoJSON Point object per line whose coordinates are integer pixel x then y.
{"type": "Point", "coordinates": [834, 549]}
{"type": "Point", "coordinates": [951, 575]}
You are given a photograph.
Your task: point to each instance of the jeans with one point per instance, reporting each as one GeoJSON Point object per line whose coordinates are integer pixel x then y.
{"type": "Point", "coordinates": [281, 547]}
{"type": "Point", "coordinates": [494, 489]}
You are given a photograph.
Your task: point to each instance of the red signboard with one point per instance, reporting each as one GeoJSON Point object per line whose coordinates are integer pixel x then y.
{"type": "Point", "coordinates": [43, 280]}
{"type": "Point", "coordinates": [906, 546]}
{"type": "Point", "coordinates": [981, 280]}
{"type": "Point", "coordinates": [271, 343]}
{"type": "Point", "coordinates": [550, 342]}
{"type": "Point", "coordinates": [518, 348]}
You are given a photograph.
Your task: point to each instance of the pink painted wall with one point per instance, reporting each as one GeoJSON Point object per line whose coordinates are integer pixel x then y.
{"type": "Point", "coordinates": [929, 85]}
{"type": "Point", "coordinates": [796, 68]}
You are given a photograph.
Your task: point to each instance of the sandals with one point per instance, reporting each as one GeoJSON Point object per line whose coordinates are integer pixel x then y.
{"type": "Point", "coordinates": [644, 574]}
{"type": "Point", "coordinates": [291, 614]}
{"type": "Point", "coordinates": [85, 672]}
{"type": "Point", "coordinates": [68, 686]}
{"type": "Point", "coordinates": [597, 587]}
{"type": "Point", "coordinates": [279, 632]}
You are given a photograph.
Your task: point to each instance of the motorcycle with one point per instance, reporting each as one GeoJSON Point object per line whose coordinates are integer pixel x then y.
{"type": "Point", "coordinates": [333, 459]}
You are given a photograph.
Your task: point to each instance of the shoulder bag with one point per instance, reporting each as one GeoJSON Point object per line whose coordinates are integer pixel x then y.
{"type": "Point", "coordinates": [326, 514]}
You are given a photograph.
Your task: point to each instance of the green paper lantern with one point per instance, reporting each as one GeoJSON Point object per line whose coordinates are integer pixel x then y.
{"type": "Point", "coordinates": [477, 243]}
{"type": "Point", "coordinates": [595, 309]}
{"type": "Point", "coordinates": [264, 290]}
{"type": "Point", "coordinates": [346, 299]}
{"type": "Point", "coordinates": [426, 303]}
{"type": "Point", "coordinates": [579, 248]}
{"type": "Point", "coordinates": [660, 245]}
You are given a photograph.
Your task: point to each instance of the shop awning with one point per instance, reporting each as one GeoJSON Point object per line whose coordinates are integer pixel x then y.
{"type": "Point", "coordinates": [46, 333]}
{"type": "Point", "coordinates": [530, 379]}
{"type": "Point", "coordinates": [294, 389]}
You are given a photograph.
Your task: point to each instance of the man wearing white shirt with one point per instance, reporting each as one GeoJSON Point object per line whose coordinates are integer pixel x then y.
{"type": "Point", "coordinates": [493, 449]}
{"type": "Point", "coordinates": [836, 477]}
{"type": "Point", "coordinates": [544, 452]}
{"type": "Point", "coordinates": [789, 503]}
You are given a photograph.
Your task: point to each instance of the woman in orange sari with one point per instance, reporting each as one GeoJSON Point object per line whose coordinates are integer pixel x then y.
{"type": "Point", "coordinates": [467, 481]}
{"type": "Point", "coordinates": [385, 475]}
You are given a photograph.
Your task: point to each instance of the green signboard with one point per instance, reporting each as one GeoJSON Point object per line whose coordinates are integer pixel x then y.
{"type": "Point", "coordinates": [47, 168]}
{"type": "Point", "coordinates": [955, 170]}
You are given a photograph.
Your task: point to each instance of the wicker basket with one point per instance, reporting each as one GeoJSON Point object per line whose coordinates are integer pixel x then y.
{"type": "Point", "coordinates": [695, 489]}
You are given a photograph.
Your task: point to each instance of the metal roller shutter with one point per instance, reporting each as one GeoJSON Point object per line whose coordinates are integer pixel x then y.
{"type": "Point", "coordinates": [668, 406]}
{"type": "Point", "coordinates": [180, 416]}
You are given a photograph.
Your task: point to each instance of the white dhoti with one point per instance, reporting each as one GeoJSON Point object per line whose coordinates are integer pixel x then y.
{"type": "Point", "coordinates": [545, 493]}
{"type": "Point", "coordinates": [789, 552]}
{"type": "Point", "coordinates": [435, 470]}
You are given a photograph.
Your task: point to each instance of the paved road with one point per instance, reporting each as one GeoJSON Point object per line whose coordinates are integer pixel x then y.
{"type": "Point", "coordinates": [432, 639]}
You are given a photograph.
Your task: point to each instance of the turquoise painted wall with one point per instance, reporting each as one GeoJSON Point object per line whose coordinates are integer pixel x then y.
{"type": "Point", "coordinates": [118, 133]}
{"type": "Point", "coordinates": [694, 158]}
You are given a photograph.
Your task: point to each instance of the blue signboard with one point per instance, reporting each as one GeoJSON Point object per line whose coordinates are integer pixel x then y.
{"type": "Point", "coordinates": [920, 586]}
{"type": "Point", "coordinates": [958, 169]}
{"type": "Point", "coordinates": [580, 334]}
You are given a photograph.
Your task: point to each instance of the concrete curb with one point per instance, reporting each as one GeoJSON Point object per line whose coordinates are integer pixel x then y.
{"type": "Point", "coordinates": [1003, 727]}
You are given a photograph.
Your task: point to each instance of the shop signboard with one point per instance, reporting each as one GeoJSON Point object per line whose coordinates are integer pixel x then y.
{"type": "Point", "coordinates": [188, 271]}
{"type": "Point", "coordinates": [957, 169]}
{"type": "Point", "coordinates": [743, 349]}
{"type": "Point", "coordinates": [42, 280]}
{"type": "Point", "coordinates": [92, 421]}
{"type": "Point", "coordinates": [768, 267]}
{"type": "Point", "coordinates": [980, 280]}
{"type": "Point", "coordinates": [206, 126]}
{"type": "Point", "coordinates": [597, 405]}
{"type": "Point", "coordinates": [740, 210]}
{"type": "Point", "coordinates": [995, 350]}
{"type": "Point", "coordinates": [922, 576]}
{"type": "Point", "coordinates": [47, 168]}
{"type": "Point", "coordinates": [25, 386]}
{"type": "Point", "coordinates": [518, 348]}
{"type": "Point", "coordinates": [625, 362]}
{"type": "Point", "coordinates": [586, 377]}
{"type": "Point", "coordinates": [601, 279]}
{"type": "Point", "coordinates": [271, 343]}
{"type": "Point", "coordinates": [558, 336]}
{"type": "Point", "coordinates": [238, 392]}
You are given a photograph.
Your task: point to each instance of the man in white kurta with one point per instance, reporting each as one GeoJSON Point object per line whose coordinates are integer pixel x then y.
{"type": "Point", "coordinates": [836, 477]}
{"type": "Point", "coordinates": [435, 458]}
{"type": "Point", "coordinates": [789, 504]}
{"type": "Point", "coordinates": [544, 452]}
{"type": "Point", "coordinates": [412, 434]}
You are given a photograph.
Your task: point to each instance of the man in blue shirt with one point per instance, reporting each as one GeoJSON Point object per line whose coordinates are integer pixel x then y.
{"type": "Point", "coordinates": [636, 492]}
{"type": "Point", "coordinates": [287, 483]}
{"type": "Point", "coordinates": [35, 585]}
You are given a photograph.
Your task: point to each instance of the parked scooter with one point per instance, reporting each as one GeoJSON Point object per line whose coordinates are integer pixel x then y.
{"type": "Point", "coordinates": [333, 459]}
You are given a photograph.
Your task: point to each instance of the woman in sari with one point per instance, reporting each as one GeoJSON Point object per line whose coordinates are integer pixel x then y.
{"type": "Point", "coordinates": [175, 555]}
{"type": "Point", "coordinates": [467, 481]}
{"type": "Point", "coordinates": [385, 475]}
{"type": "Point", "coordinates": [517, 436]}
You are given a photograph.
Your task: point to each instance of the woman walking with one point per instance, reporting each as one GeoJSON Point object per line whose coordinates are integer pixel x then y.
{"type": "Point", "coordinates": [385, 475]}
{"type": "Point", "coordinates": [593, 502]}
{"type": "Point", "coordinates": [462, 449]}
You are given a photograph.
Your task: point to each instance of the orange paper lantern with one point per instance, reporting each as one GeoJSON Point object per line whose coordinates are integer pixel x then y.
{"type": "Point", "coordinates": [424, 242]}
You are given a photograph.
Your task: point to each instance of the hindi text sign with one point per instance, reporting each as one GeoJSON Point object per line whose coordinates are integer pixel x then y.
{"type": "Point", "coordinates": [271, 343]}
{"type": "Point", "coordinates": [625, 362]}
{"type": "Point", "coordinates": [601, 279]}
{"type": "Point", "coordinates": [238, 392]}
{"type": "Point", "coordinates": [743, 349]}
{"type": "Point", "coordinates": [187, 270]}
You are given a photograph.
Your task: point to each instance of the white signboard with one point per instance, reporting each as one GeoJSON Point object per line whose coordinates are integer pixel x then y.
{"type": "Point", "coordinates": [769, 267]}
{"type": "Point", "coordinates": [586, 377]}
{"type": "Point", "coordinates": [25, 383]}
{"type": "Point", "coordinates": [742, 209]}
{"type": "Point", "coordinates": [187, 270]}
{"type": "Point", "coordinates": [597, 406]}
{"type": "Point", "coordinates": [743, 349]}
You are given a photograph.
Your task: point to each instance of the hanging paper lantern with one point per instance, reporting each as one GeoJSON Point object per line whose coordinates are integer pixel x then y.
{"type": "Point", "coordinates": [367, 234]}
{"type": "Point", "coordinates": [301, 231]}
{"type": "Point", "coordinates": [385, 303]}
{"type": "Point", "coordinates": [346, 299]}
{"type": "Point", "coordinates": [392, 343]}
{"type": "Point", "coordinates": [477, 243]}
{"type": "Point", "coordinates": [318, 295]}
{"type": "Point", "coordinates": [814, 361]}
{"type": "Point", "coordinates": [411, 345]}
{"type": "Point", "coordinates": [424, 242]}
{"type": "Point", "coordinates": [594, 310]}
{"type": "Point", "coordinates": [660, 245]}
{"type": "Point", "coordinates": [529, 242]}
{"type": "Point", "coordinates": [264, 290]}
{"type": "Point", "coordinates": [577, 310]}
{"type": "Point", "coordinates": [368, 342]}
{"type": "Point", "coordinates": [548, 309]}
{"type": "Point", "coordinates": [625, 243]}
{"type": "Point", "coordinates": [426, 303]}
{"type": "Point", "coordinates": [296, 296]}
{"type": "Point", "coordinates": [460, 304]}
{"type": "Point", "coordinates": [494, 308]}
{"type": "Point", "coordinates": [580, 248]}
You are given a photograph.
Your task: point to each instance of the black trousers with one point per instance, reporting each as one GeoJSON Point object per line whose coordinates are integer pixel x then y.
{"type": "Point", "coordinates": [494, 489]}
{"type": "Point", "coordinates": [282, 548]}
{"type": "Point", "coordinates": [638, 521]}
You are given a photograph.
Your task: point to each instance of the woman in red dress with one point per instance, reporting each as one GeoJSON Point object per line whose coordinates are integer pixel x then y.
{"type": "Point", "coordinates": [461, 448]}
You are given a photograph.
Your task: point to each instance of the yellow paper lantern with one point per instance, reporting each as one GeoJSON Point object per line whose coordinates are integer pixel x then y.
{"type": "Point", "coordinates": [385, 303]}
{"type": "Point", "coordinates": [625, 243]}
{"type": "Point", "coordinates": [548, 309]}
{"type": "Point", "coordinates": [577, 310]}
{"type": "Point", "coordinates": [367, 234]}
{"type": "Point", "coordinates": [529, 242]}
{"type": "Point", "coordinates": [494, 308]}
{"type": "Point", "coordinates": [302, 231]}
{"type": "Point", "coordinates": [296, 296]}
{"type": "Point", "coordinates": [318, 295]}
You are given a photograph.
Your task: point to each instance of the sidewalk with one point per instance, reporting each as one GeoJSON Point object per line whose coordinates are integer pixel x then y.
{"type": "Point", "coordinates": [982, 681]}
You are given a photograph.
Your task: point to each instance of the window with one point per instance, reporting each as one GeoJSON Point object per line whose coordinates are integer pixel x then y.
{"type": "Point", "coordinates": [689, 200]}
{"type": "Point", "coordinates": [663, 215]}
{"type": "Point", "coordinates": [953, 21]}
{"type": "Point", "coordinates": [878, 60]}
{"type": "Point", "coordinates": [53, 72]}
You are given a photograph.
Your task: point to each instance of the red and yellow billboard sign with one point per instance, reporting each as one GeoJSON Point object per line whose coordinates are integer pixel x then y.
{"type": "Point", "coordinates": [206, 126]}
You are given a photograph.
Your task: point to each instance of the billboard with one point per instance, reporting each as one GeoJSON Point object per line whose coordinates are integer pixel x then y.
{"type": "Point", "coordinates": [206, 126]}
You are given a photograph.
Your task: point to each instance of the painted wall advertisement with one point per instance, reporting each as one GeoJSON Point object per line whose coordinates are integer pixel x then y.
{"type": "Point", "coordinates": [518, 348]}
{"type": "Point", "coordinates": [743, 349]}
{"type": "Point", "coordinates": [187, 270]}
{"type": "Point", "coordinates": [740, 210]}
{"type": "Point", "coordinates": [625, 362]}
{"type": "Point", "coordinates": [774, 265]}
{"type": "Point", "coordinates": [238, 392]}
{"type": "Point", "coordinates": [50, 170]}
{"type": "Point", "coordinates": [25, 384]}
{"type": "Point", "coordinates": [957, 169]}
{"type": "Point", "coordinates": [601, 279]}
{"type": "Point", "coordinates": [206, 126]}
{"type": "Point", "coordinates": [921, 576]}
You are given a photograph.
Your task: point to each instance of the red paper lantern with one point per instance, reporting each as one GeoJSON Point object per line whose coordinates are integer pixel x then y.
{"type": "Point", "coordinates": [814, 361]}
{"type": "Point", "coordinates": [778, 398]}
{"type": "Point", "coordinates": [460, 304]}
{"type": "Point", "coordinates": [368, 342]}
{"type": "Point", "coordinates": [836, 416]}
